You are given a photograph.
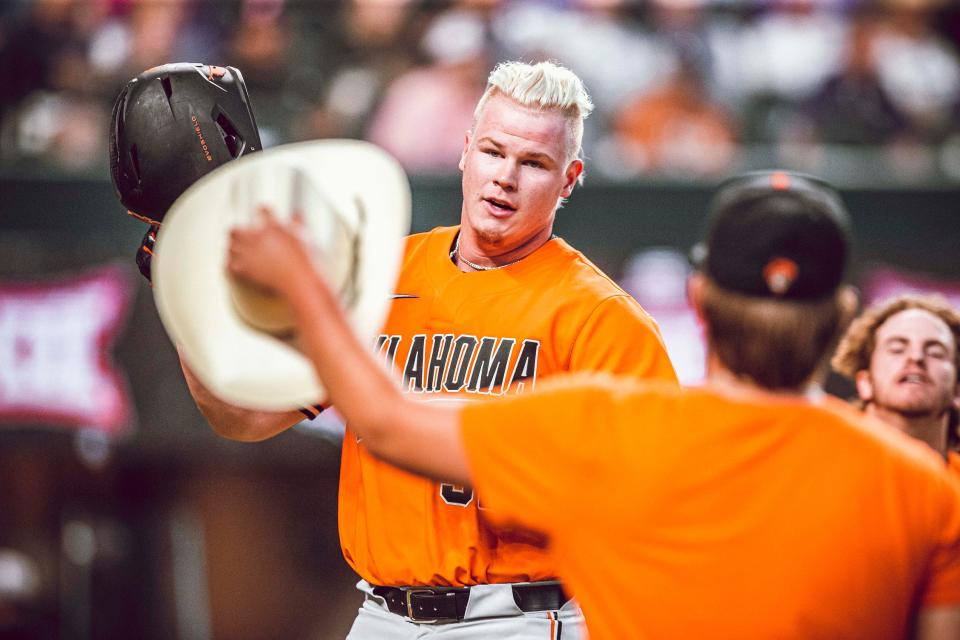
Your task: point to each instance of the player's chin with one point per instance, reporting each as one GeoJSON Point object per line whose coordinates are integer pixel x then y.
{"type": "Point", "coordinates": [490, 239]}
{"type": "Point", "coordinates": [914, 407]}
{"type": "Point", "coordinates": [490, 231]}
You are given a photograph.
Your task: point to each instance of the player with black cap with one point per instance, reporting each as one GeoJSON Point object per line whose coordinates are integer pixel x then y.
{"type": "Point", "coordinates": [754, 506]}
{"type": "Point", "coordinates": [171, 125]}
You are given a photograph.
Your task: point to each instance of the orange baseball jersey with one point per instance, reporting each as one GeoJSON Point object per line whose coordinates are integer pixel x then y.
{"type": "Point", "coordinates": [953, 462]}
{"type": "Point", "coordinates": [455, 336]}
{"type": "Point", "coordinates": [698, 514]}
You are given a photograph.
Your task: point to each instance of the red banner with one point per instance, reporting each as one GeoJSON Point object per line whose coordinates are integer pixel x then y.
{"type": "Point", "coordinates": [56, 365]}
{"type": "Point", "coordinates": [882, 282]}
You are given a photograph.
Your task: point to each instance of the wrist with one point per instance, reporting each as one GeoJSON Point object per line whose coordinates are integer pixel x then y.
{"type": "Point", "coordinates": [305, 293]}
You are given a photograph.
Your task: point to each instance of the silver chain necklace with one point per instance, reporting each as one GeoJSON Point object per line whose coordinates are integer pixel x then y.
{"type": "Point", "coordinates": [456, 255]}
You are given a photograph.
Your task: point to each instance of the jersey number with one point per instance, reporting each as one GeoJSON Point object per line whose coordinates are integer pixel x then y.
{"type": "Point", "coordinates": [456, 494]}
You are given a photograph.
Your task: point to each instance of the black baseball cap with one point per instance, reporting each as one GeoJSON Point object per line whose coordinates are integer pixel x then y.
{"type": "Point", "coordinates": [776, 234]}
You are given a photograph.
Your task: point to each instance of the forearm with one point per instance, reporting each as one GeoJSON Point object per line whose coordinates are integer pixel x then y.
{"type": "Point", "coordinates": [417, 436]}
{"type": "Point", "coordinates": [236, 423]}
{"type": "Point", "coordinates": [424, 438]}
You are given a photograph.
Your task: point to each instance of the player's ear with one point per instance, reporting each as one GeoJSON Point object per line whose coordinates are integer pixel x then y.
{"type": "Point", "coordinates": [695, 284]}
{"type": "Point", "coordinates": [571, 175]}
{"type": "Point", "coordinates": [864, 384]}
{"type": "Point", "coordinates": [848, 300]}
{"type": "Point", "coordinates": [463, 154]}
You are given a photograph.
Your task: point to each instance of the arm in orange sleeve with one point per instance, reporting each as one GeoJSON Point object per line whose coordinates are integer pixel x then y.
{"type": "Point", "coordinates": [621, 338]}
{"type": "Point", "coordinates": [556, 446]}
{"type": "Point", "coordinates": [942, 590]}
{"type": "Point", "coordinates": [939, 615]}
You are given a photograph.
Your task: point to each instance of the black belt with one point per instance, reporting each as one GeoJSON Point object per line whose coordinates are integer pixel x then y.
{"type": "Point", "coordinates": [448, 604]}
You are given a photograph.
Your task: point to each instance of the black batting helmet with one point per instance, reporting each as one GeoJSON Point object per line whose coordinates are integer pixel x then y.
{"type": "Point", "coordinates": [173, 124]}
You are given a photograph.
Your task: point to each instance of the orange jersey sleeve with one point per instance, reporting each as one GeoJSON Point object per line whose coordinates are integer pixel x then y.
{"type": "Point", "coordinates": [462, 337]}
{"type": "Point", "coordinates": [620, 337]}
{"type": "Point", "coordinates": [943, 586]}
{"type": "Point", "coordinates": [778, 516]}
{"type": "Point", "coordinates": [953, 463]}
{"type": "Point", "coordinates": [561, 448]}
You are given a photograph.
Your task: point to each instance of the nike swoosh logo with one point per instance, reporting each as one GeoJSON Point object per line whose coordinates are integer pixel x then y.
{"type": "Point", "coordinates": [398, 296]}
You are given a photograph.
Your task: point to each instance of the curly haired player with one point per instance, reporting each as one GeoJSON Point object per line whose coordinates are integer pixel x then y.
{"type": "Point", "coordinates": [755, 506]}
{"type": "Point", "coordinates": [902, 355]}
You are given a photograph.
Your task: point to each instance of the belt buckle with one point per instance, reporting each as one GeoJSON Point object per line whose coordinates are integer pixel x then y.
{"type": "Point", "coordinates": [427, 592]}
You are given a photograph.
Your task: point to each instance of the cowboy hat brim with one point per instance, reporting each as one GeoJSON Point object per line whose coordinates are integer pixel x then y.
{"type": "Point", "coordinates": [356, 202]}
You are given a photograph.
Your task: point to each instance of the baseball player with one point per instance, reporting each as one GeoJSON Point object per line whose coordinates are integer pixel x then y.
{"type": "Point", "coordinates": [755, 506]}
{"type": "Point", "coordinates": [170, 126]}
{"type": "Point", "coordinates": [487, 308]}
{"type": "Point", "coordinates": [902, 356]}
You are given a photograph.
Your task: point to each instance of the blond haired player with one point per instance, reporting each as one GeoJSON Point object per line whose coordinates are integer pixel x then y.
{"type": "Point", "coordinates": [754, 507]}
{"type": "Point", "coordinates": [488, 308]}
{"type": "Point", "coordinates": [902, 355]}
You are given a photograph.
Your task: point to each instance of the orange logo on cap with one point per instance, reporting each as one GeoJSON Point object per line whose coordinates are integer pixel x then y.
{"type": "Point", "coordinates": [216, 72]}
{"type": "Point", "coordinates": [780, 274]}
{"type": "Point", "coordinates": [780, 181]}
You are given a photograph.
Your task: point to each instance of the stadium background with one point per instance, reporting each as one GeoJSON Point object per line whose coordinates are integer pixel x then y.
{"type": "Point", "coordinates": [121, 515]}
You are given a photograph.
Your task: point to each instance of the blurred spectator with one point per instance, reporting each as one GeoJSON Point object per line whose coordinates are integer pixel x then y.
{"type": "Point", "coordinates": [67, 130]}
{"type": "Point", "coordinates": [853, 107]}
{"type": "Point", "coordinates": [375, 42]}
{"type": "Point", "coordinates": [797, 82]}
{"type": "Point", "coordinates": [62, 65]}
{"type": "Point", "coordinates": [427, 111]}
{"type": "Point", "coordinates": [259, 46]}
{"type": "Point", "coordinates": [379, 22]}
{"type": "Point", "coordinates": [47, 92]}
{"type": "Point", "coordinates": [950, 150]}
{"type": "Point", "coordinates": [155, 27]}
{"type": "Point", "coordinates": [918, 69]}
{"type": "Point", "coordinates": [790, 51]}
{"type": "Point", "coordinates": [605, 42]}
{"type": "Point", "coordinates": [783, 56]}
{"type": "Point", "coordinates": [677, 129]}
{"type": "Point", "coordinates": [29, 51]}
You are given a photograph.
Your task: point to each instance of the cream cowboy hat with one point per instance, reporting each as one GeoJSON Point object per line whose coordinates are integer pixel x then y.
{"type": "Point", "coordinates": [355, 200]}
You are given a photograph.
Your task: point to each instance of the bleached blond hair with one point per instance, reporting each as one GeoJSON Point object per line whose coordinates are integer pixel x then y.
{"type": "Point", "coordinates": [543, 86]}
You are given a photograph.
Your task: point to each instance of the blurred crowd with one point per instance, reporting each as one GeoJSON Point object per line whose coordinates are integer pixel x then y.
{"type": "Point", "coordinates": [684, 89]}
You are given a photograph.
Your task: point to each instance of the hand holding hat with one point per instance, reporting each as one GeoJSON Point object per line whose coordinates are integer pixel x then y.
{"type": "Point", "coordinates": [269, 255]}
{"type": "Point", "coordinates": [354, 203]}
